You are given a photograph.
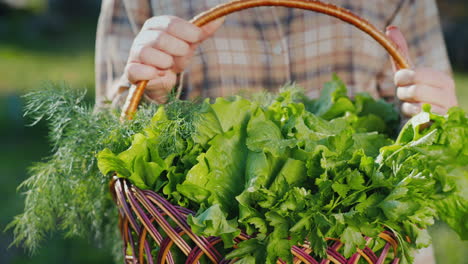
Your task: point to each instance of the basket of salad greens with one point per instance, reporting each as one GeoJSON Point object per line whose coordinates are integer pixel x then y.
{"type": "Point", "coordinates": [288, 179]}
{"type": "Point", "coordinates": [265, 179]}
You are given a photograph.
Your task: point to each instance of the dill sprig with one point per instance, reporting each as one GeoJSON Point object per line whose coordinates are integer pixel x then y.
{"type": "Point", "coordinates": [66, 192]}
{"type": "Point", "coordinates": [179, 125]}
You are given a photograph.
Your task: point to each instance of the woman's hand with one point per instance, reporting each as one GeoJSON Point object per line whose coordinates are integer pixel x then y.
{"type": "Point", "coordinates": [425, 86]}
{"type": "Point", "coordinates": [162, 49]}
{"type": "Point", "coordinates": [420, 86]}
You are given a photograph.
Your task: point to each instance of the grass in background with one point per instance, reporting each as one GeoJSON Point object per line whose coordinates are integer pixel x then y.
{"type": "Point", "coordinates": [461, 80]}
{"type": "Point", "coordinates": [49, 50]}
{"type": "Point", "coordinates": [24, 70]}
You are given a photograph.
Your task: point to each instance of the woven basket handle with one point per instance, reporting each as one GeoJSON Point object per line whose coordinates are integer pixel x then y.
{"type": "Point", "coordinates": [136, 92]}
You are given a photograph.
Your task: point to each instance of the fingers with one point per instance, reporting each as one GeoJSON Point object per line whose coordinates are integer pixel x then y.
{"type": "Point", "coordinates": [394, 34]}
{"type": "Point", "coordinates": [136, 72]}
{"type": "Point", "coordinates": [158, 89]}
{"type": "Point", "coordinates": [412, 109]}
{"type": "Point", "coordinates": [434, 78]}
{"type": "Point", "coordinates": [404, 77]}
{"type": "Point", "coordinates": [416, 87]}
{"type": "Point", "coordinates": [181, 62]}
{"type": "Point", "coordinates": [423, 93]}
{"type": "Point", "coordinates": [163, 41]}
{"type": "Point", "coordinates": [427, 76]}
{"type": "Point", "coordinates": [211, 28]}
{"type": "Point", "coordinates": [183, 29]}
{"type": "Point", "coordinates": [160, 84]}
{"type": "Point", "coordinates": [168, 42]}
{"type": "Point", "coordinates": [176, 27]}
{"type": "Point", "coordinates": [152, 57]}
{"type": "Point", "coordinates": [163, 48]}
{"type": "Point", "coordinates": [426, 86]}
{"type": "Point", "coordinates": [158, 49]}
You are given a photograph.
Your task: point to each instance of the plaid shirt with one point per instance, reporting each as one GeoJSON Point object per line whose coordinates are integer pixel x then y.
{"type": "Point", "coordinates": [267, 47]}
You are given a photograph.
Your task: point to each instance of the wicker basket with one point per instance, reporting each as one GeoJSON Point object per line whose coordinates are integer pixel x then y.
{"type": "Point", "coordinates": [144, 215]}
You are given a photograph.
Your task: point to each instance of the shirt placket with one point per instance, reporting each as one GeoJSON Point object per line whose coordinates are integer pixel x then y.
{"type": "Point", "coordinates": [280, 47]}
{"type": "Point", "coordinates": [278, 69]}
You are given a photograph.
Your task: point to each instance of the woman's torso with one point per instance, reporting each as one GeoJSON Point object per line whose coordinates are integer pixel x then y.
{"type": "Point", "coordinates": [267, 47]}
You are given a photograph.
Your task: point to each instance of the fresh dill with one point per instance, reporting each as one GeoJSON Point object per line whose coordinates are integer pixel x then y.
{"type": "Point", "coordinates": [65, 191]}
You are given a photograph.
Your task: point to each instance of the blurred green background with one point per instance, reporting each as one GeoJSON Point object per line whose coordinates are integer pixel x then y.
{"type": "Point", "coordinates": [54, 40]}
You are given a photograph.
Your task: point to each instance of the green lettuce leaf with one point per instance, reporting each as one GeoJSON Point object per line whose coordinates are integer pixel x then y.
{"type": "Point", "coordinates": [219, 172]}
{"type": "Point", "coordinates": [212, 222]}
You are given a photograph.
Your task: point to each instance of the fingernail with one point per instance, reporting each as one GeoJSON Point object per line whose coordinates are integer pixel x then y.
{"type": "Point", "coordinates": [404, 77]}
{"type": "Point", "coordinates": [410, 109]}
{"type": "Point", "coordinates": [389, 28]}
{"type": "Point", "coordinates": [402, 92]}
{"type": "Point", "coordinates": [414, 109]}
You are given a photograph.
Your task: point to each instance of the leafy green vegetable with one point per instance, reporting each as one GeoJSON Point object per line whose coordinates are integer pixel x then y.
{"type": "Point", "coordinates": [292, 170]}
{"type": "Point", "coordinates": [212, 222]}
{"type": "Point", "coordinates": [218, 172]}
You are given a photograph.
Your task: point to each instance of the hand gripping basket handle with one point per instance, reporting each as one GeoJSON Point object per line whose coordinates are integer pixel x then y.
{"type": "Point", "coordinates": [135, 94]}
